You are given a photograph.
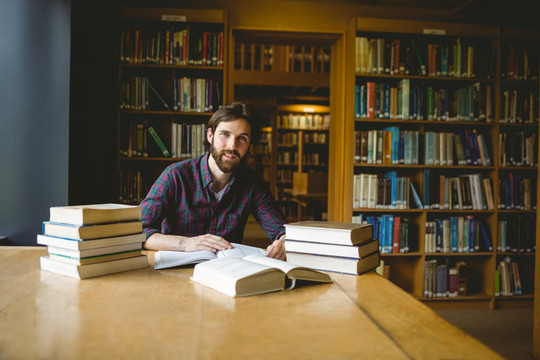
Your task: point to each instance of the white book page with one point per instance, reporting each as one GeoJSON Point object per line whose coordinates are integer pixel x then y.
{"type": "Point", "coordinates": [166, 259]}
{"type": "Point", "coordinates": [240, 251]}
{"type": "Point", "coordinates": [265, 260]}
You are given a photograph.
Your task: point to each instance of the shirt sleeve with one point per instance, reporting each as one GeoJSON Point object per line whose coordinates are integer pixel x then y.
{"type": "Point", "coordinates": [267, 212]}
{"type": "Point", "coordinates": [155, 205]}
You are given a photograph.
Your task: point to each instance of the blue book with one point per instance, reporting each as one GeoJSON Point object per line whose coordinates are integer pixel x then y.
{"type": "Point", "coordinates": [392, 176]}
{"type": "Point", "coordinates": [357, 101]}
{"type": "Point", "coordinates": [416, 198]}
{"type": "Point", "coordinates": [487, 243]}
{"type": "Point", "coordinates": [453, 234]}
{"type": "Point", "coordinates": [389, 233]}
{"type": "Point", "coordinates": [426, 181]}
{"type": "Point", "coordinates": [386, 101]}
{"type": "Point", "coordinates": [363, 101]}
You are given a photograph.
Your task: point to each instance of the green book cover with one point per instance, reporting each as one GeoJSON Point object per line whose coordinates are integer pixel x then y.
{"type": "Point", "coordinates": [158, 141]}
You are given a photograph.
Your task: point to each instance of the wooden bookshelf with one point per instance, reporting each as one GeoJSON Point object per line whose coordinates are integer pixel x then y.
{"type": "Point", "coordinates": [286, 73]}
{"type": "Point", "coordinates": [429, 95]}
{"type": "Point", "coordinates": [171, 78]}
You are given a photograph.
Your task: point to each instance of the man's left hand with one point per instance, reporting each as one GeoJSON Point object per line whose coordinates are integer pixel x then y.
{"type": "Point", "coordinates": [277, 249]}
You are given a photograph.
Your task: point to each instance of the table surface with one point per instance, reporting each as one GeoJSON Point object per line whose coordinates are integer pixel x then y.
{"type": "Point", "coordinates": [162, 314]}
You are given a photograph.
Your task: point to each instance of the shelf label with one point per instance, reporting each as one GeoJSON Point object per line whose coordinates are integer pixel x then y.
{"type": "Point", "coordinates": [177, 18]}
{"type": "Point", "coordinates": [434, 32]}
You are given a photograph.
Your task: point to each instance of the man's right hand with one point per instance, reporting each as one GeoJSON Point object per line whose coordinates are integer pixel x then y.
{"type": "Point", "coordinates": [207, 242]}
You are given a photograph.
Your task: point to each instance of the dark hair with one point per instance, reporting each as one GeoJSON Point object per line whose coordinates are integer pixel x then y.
{"type": "Point", "coordinates": [231, 112]}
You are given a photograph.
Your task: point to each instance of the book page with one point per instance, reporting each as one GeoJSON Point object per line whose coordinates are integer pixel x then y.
{"type": "Point", "coordinates": [265, 260]}
{"type": "Point", "coordinates": [240, 251]}
{"type": "Point", "coordinates": [166, 259]}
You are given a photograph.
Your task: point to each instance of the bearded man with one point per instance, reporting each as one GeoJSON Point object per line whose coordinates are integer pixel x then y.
{"type": "Point", "coordinates": [204, 203]}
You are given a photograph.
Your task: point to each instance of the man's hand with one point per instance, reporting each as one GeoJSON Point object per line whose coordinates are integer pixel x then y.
{"type": "Point", "coordinates": [277, 249]}
{"type": "Point", "coordinates": [207, 242]}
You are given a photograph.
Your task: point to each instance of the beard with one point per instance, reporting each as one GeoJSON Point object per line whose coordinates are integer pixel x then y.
{"type": "Point", "coordinates": [226, 165]}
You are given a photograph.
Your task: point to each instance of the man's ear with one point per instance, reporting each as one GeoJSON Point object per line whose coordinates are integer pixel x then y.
{"type": "Point", "coordinates": [209, 135]}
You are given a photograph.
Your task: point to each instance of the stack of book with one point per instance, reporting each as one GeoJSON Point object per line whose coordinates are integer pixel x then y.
{"type": "Point", "coordinates": [339, 247]}
{"type": "Point", "coordinates": [93, 240]}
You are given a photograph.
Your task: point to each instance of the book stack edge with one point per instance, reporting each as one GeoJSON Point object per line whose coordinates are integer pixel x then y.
{"type": "Point", "coordinates": [337, 247]}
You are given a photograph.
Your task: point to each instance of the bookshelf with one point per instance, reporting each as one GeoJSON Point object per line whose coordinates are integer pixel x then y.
{"type": "Point", "coordinates": [171, 78]}
{"type": "Point", "coordinates": [443, 117]}
{"type": "Point", "coordinates": [286, 74]}
{"type": "Point", "coordinates": [302, 140]}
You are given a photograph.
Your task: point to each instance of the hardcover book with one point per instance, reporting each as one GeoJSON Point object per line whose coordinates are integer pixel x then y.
{"type": "Point", "coordinates": [79, 245]}
{"type": "Point", "coordinates": [336, 264]}
{"type": "Point", "coordinates": [94, 214]}
{"type": "Point", "coordinates": [353, 251]}
{"type": "Point", "coordinates": [253, 274]}
{"type": "Point", "coordinates": [329, 232]}
{"type": "Point", "coordinates": [92, 270]}
{"type": "Point", "coordinates": [84, 232]}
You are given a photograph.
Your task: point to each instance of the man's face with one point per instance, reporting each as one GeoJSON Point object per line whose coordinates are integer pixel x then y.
{"type": "Point", "coordinates": [230, 143]}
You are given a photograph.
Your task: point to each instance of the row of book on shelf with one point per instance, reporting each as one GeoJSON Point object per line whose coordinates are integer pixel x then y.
{"type": "Point", "coordinates": [406, 101]}
{"type": "Point", "coordinates": [132, 187]}
{"type": "Point", "coordinates": [519, 107]}
{"type": "Point", "coordinates": [517, 235]}
{"type": "Point", "coordinates": [439, 191]}
{"type": "Point", "coordinates": [187, 140]}
{"type": "Point", "coordinates": [445, 57]}
{"type": "Point", "coordinates": [177, 45]}
{"type": "Point", "coordinates": [445, 279]}
{"type": "Point", "coordinates": [412, 56]}
{"type": "Point", "coordinates": [393, 145]}
{"type": "Point", "coordinates": [188, 95]}
{"type": "Point", "coordinates": [457, 234]}
{"type": "Point", "coordinates": [291, 138]}
{"type": "Point", "coordinates": [303, 121]}
{"type": "Point", "coordinates": [282, 58]}
{"type": "Point", "coordinates": [518, 149]}
{"type": "Point", "coordinates": [507, 278]}
{"type": "Point", "coordinates": [396, 234]}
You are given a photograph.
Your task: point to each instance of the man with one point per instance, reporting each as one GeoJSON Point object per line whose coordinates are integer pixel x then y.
{"type": "Point", "coordinates": [204, 203]}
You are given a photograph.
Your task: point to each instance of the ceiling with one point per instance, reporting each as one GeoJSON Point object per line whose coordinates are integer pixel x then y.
{"type": "Point", "coordinates": [496, 12]}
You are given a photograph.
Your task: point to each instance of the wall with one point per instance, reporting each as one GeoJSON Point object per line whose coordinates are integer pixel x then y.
{"type": "Point", "coordinates": [34, 63]}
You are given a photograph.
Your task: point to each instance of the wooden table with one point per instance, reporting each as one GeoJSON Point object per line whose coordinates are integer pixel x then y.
{"type": "Point", "coordinates": [148, 314]}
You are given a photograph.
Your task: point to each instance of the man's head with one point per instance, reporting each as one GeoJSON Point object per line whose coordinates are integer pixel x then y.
{"type": "Point", "coordinates": [230, 133]}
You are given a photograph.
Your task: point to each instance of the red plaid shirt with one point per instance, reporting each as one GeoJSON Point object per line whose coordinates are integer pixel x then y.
{"type": "Point", "coordinates": [181, 202]}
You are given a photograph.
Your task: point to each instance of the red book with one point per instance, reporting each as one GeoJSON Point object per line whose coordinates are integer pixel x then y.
{"type": "Point", "coordinates": [396, 234]}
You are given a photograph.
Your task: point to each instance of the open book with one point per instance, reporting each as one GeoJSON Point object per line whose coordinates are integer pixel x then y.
{"type": "Point", "coordinates": [167, 259]}
{"type": "Point", "coordinates": [253, 274]}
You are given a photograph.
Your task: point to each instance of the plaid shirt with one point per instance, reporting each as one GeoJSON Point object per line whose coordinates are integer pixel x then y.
{"type": "Point", "coordinates": [182, 202]}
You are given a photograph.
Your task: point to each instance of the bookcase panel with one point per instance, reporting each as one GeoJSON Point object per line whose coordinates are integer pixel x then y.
{"type": "Point", "coordinates": [170, 81]}
{"type": "Point", "coordinates": [451, 108]}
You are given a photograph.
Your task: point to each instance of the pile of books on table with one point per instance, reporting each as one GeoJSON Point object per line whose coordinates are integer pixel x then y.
{"type": "Point", "coordinates": [339, 247]}
{"type": "Point", "coordinates": [93, 240]}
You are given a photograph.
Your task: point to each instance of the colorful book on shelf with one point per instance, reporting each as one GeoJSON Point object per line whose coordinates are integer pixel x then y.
{"type": "Point", "coordinates": [86, 232]}
{"type": "Point", "coordinates": [94, 214]}
{"type": "Point", "coordinates": [159, 142]}
{"type": "Point", "coordinates": [92, 270]}
{"type": "Point", "coordinates": [253, 274]}
{"type": "Point", "coordinates": [329, 232]}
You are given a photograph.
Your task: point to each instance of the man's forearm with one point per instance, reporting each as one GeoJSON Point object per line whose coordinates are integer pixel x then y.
{"type": "Point", "coordinates": [159, 241]}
